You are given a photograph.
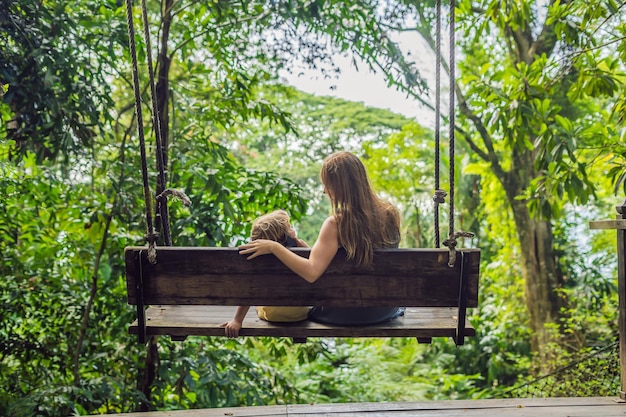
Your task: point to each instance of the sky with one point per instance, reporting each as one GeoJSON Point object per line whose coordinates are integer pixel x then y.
{"type": "Point", "coordinates": [365, 86]}
{"type": "Point", "coordinates": [361, 86]}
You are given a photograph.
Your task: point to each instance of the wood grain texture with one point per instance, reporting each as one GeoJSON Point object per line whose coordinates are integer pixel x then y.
{"type": "Point", "coordinates": [220, 276]}
{"type": "Point", "coordinates": [523, 407]}
{"type": "Point", "coordinates": [206, 320]}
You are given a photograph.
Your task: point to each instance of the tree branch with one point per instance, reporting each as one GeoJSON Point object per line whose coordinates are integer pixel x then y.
{"type": "Point", "coordinates": [489, 156]}
{"type": "Point", "coordinates": [546, 40]}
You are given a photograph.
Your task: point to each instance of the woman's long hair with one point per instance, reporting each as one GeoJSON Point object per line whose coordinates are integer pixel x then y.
{"type": "Point", "coordinates": [364, 221]}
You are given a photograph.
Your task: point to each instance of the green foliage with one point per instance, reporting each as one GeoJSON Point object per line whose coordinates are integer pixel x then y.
{"type": "Point", "coordinates": [64, 347]}
{"type": "Point", "coordinates": [48, 252]}
{"type": "Point", "coordinates": [225, 197]}
{"type": "Point", "coordinates": [357, 370]}
{"type": "Point", "coordinates": [540, 108]}
{"type": "Point", "coordinates": [52, 85]}
{"type": "Point", "coordinates": [52, 228]}
{"type": "Point", "coordinates": [211, 373]}
{"type": "Point", "coordinates": [403, 169]}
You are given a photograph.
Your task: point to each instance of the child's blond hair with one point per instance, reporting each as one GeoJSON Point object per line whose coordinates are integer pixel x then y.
{"type": "Point", "coordinates": [271, 226]}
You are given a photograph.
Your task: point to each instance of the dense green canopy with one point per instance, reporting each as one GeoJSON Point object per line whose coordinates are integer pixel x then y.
{"type": "Point", "coordinates": [539, 152]}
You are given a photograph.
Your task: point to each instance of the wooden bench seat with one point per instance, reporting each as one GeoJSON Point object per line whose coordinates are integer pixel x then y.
{"type": "Point", "coordinates": [192, 290]}
{"type": "Point", "coordinates": [182, 321]}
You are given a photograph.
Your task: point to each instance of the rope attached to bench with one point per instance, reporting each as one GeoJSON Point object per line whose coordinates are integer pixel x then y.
{"type": "Point", "coordinates": [440, 195]}
{"type": "Point", "coordinates": [161, 200]}
{"type": "Point", "coordinates": [151, 235]}
{"type": "Point", "coordinates": [156, 120]}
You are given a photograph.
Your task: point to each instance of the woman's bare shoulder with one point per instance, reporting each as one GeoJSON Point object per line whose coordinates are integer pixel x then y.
{"type": "Point", "coordinates": [331, 220]}
{"type": "Point", "coordinates": [329, 228]}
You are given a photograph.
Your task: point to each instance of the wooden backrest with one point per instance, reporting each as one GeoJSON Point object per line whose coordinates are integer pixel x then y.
{"type": "Point", "coordinates": [221, 276]}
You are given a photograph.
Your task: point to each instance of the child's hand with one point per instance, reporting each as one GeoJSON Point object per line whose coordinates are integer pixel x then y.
{"type": "Point", "coordinates": [231, 328]}
{"type": "Point", "coordinates": [293, 234]}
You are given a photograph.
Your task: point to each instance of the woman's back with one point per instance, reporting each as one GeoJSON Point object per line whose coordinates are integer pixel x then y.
{"type": "Point", "coordinates": [364, 223]}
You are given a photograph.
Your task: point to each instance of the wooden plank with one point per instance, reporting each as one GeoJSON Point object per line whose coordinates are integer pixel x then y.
{"type": "Point", "coordinates": [621, 289]}
{"type": "Point", "coordinates": [205, 321]}
{"type": "Point", "coordinates": [523, 407]}
{"type": "Point", "coordinates": [619, 224]}
{"type": "Point", "coordinates": [197, 276]}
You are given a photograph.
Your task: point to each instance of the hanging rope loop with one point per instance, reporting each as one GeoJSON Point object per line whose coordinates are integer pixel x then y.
{"type": "Point", "coordinates": [176, 193]}
{"type": "Point", "coordinates": [152, 236]}
{"type": "Point", "coordinates": [150, 232]}
{"type": "Point", "coordinates": [162, 210]}
{"type": "Point", "coordinates": [437, 198]}
{"type": "Point", "coordinates": [451, 243]}
{"type": "Point", "coordinates": [152, 239]}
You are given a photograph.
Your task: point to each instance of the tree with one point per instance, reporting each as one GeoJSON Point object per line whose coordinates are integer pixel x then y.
{"type": "Point", "coordinates": [53, 85]}
{"type": "Point", "coordinates": [530, 109]}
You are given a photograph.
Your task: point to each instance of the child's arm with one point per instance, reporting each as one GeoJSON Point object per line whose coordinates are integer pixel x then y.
{"type": "Point", "coordinates": [231, 328]}
{"type": "Point", "coordinates": [299, 242]}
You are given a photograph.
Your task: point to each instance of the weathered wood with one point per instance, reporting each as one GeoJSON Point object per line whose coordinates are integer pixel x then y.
{"type": "Point", "coordinates": [519, 407]}
{"type": "Point", "coordinates": [189, 287]}
{"type": "Point", "coordinates": [221, 276]}
{"type": "Point", "coordinates": [621, 288]}
{"type": "Point", "coordinates": [178, 321]}
{"type": "Point", "coordinates": [619, 224]}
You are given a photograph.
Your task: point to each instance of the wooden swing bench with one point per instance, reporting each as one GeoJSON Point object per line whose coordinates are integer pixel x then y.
{"type": "Point", "coordinates": [191, 291]}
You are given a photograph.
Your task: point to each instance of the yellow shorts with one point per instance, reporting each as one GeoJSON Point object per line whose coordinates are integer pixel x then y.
{"type": "Point", "coordinates": [282, 314]}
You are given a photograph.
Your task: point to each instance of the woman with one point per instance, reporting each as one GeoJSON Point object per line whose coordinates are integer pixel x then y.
{"type": "Point", "coordinates": [360, 222]}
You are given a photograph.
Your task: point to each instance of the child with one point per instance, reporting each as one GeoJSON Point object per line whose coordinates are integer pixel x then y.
{"type": "Point", "coordinates": [273, 226]}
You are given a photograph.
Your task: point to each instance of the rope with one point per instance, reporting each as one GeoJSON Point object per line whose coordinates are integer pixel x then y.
{"type": "Point", "coordinates": [451, 117]}
{"type": "Point", "coordinates": [439, 197]}
{"type": "Point", "coordinates": [151, 236]}
{"type": "Point", "coordinates": [451, 241]}
{"type": "Point", "coordinates": [161, 184]}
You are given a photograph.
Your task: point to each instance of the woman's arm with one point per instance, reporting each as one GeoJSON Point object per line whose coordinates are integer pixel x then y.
{"type": "Point", "coordinates": [322, 252]}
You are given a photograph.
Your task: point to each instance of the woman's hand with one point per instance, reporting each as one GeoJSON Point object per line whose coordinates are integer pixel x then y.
{"type": "Point", "coordinates": [258, 247]}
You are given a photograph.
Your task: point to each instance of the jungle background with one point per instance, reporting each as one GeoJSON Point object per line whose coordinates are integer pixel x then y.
{"type": "Point", "coordinates": [539, 151]}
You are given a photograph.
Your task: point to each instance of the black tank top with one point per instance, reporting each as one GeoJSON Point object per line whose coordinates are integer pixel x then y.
{"type": "Point", "coordinates": [354, 316]}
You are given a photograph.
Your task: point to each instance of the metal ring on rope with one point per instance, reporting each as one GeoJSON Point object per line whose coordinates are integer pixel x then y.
{"type": "Point", "coordinates": [440, 197]}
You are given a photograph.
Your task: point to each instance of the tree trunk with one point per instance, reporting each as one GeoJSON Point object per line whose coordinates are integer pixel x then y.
{"type": "Point", "coordinates": [161, 216]}
{"type": "Point", "coordinates": [162, 97]}
{"type": "Point", "coordinates": [542, 277]}
{"type": "Point", "coordinates": [148, 375]}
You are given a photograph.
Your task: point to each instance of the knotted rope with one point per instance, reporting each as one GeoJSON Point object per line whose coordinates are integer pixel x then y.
{"type": "Point", "coordinates": [151, 235]}
{"type": "Point", "coordinates": [439, 197]}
